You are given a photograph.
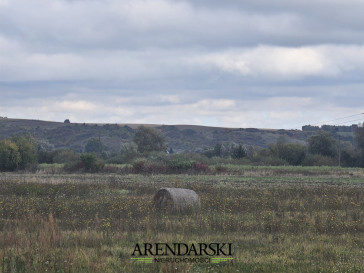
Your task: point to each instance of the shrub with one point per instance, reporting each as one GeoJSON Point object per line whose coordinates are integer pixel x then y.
{"type": "Point", "coordinates": [156, 168]}
{"type": "Point", "coordinates": [88, 160]}
{"type": "Point", "coordinates": [268, 160]}
{"type": "Point", "coordinates": [294, 154]}
{"type": "Point", "coordinates": [350, 158]}
{"type": "Point", "coordinates": [87, 164]}
{"type": "Point", "coordinates": [9, 156]}
{"type": "Point", "coordinates": [139, 165]}
{"type": "Point", "coordinates": [45, 157]}
{"type": "Point", "coordinates": [74, 166]}
{"type": "Point", "coordinates": [221, 169]}
{"type": "Point", "coordinates": [144, 166]}
{"type": "Point", "coordinates": [64, 156]}
{"type": "Point", "coordinates": [111, 169]}
{"type": "Point", "coordinates": [115, 159]}
{"type": "Point", "coordinates": [180, 165]}
{"type": "Point", "coordinates": [318, 160]}
{"type": "Point", "coordinates": [200, 167]}
{"type": "Point", "coordinates": [172, 166]}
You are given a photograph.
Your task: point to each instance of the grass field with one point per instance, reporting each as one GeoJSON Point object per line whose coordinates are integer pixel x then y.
{"type": "Point", "coordinates": [279, 219]}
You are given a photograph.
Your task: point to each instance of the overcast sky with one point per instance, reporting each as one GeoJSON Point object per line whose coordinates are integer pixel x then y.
{"type": "Point", "coordinates": [252, 63]}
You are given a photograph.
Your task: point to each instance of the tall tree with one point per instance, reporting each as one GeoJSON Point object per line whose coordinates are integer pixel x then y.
{"type": "Point", "coordinates": [359, 142]}
{"type": "Point", "coordinates": [322, 144]}
{"type": "Point", "coordinates": [9, 156]}
{"type": "Point", "coordinates": [239, 152]}
{"type": "Point", "coordinates": [149, 139]}
{"type": "Point", "coordinates": [293, 153]}
{"type": "Point", "coordinates": [128, 152]}
{"type": "Point", "coordinates": [218, 149]}
{"type": "Point", "coordinates": [27, 149]}
{"type": "Point", "coordinates": [94, 145]}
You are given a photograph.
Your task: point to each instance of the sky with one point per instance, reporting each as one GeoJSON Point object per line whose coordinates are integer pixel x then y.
{"type": "Point", "coordinates": [252, 63]}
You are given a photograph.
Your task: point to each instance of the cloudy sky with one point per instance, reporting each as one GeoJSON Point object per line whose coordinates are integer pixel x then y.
{"type": "Point", "coordinates": [233, 63]}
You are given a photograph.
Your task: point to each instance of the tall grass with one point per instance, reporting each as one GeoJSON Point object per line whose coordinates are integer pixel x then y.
{"type": "Point", "coordinates": [90, 223]}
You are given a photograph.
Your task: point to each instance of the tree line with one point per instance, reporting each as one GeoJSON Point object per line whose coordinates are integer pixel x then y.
{"type": "Point", "coordinates": [21, 152]}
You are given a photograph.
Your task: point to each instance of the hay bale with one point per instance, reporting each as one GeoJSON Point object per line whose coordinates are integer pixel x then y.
{"type": "Point", "coordinates": [176, 200]}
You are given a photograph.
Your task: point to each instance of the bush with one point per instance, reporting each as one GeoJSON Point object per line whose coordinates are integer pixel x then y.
{"type": "Point", "coordinates": [64, 156]}
{"type": "Point", "coordinates": [111, 169]}
{"type": "Point", "coordinates": [144, 166]}
{"type": "Point", "coordinates": [318, 160]}
{"type": "Point", "coordinates": [91, 163]}
{"type": "Point", "coordinates": [9, 156]}
{"type": "Point", "coordinates": [221, 169]}
{"type": "Point", "coordinates": [180, 165]}
{"type": "Point", "coordinates": [45, 157]}
{"type": "Point", "coordinates": [350, 158]}
{"type": "Point", "coordinates": [189, 156]}
{"type": "Point", "coordinates": [116, 159]}
{"type": "Point", "coordinates": [87, 162]}
{"type": "Point", "coordinates": [75, 166]}
{"type": "Point", "coordinates": [268, 160]}
{"type": "Point", "coordinates": [200, 167]}
{"type": "Point", "coordinates": [139, 165]}
{"type": "Point", "coordinates": [57, 156]}
{"type": "Point", "coordinates": [294, 154]}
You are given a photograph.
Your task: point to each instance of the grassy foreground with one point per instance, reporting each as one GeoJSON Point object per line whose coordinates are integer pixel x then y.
{"type": "Point", "coordinates": [279, 220]}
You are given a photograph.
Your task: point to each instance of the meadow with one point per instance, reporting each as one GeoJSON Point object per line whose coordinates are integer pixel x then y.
{"type": "Point", "coordinates": [279, 219]}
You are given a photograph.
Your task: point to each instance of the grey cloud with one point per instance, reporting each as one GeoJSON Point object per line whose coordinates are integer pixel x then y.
{"type": "Point", "coordinates": [62, 26]}
{"type": "Point", "coordinates": [137, 60]}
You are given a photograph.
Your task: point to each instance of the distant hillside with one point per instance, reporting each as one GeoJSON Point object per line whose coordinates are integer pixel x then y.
{"type": "Point", "coordinates": [188, 138]}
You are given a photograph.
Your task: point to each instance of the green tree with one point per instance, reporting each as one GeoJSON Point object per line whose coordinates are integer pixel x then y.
{"type": "Point", "coordinates": [218, 149]}
{"type": "Point", "coordinates": [45, 156]}
{"type": "Point", "coordinates": [9, 156]}
{"type": "Point", "coordinates": [350, 157]}
{"type": "Point", "coordinates": [359, 142]}
{"type": "Point", "coordinates": [89, 161]}
{"type": "Point", "coordinates": [322, 144]}
{"type": "Point", "coordinates": [149, 139]}
{"type": "Point", "coordinates": [239, 152]}
{"type": "Point", "coordinates": [128, 152]}
{"type": "Point", "coordinates": [294, 154]}
{"type": "Point", "coordinates": [64, 156]}
{"type": "Point", "coordinates": [27, 149]}
{"type": "Point", "coordinates": [94, 145]}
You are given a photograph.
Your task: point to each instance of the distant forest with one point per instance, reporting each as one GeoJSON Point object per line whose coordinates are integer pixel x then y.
{"type": "Point", "coordinates": [172, 148]}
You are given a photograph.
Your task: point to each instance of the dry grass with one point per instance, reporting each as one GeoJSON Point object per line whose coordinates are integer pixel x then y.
{"type": "Point", "coordinates": [90, 223]}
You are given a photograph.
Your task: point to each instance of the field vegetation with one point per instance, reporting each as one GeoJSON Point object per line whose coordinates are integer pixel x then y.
{"type": "Point", "coordinates": [285, 208]}
{"type": "Point", "coordinates": [279, 219]}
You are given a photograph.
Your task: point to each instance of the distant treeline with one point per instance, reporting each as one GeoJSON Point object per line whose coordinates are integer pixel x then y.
{"type": "Point", "coordinates": [149, 153]}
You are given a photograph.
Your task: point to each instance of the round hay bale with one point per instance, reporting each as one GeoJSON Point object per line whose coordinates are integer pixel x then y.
{"type": "Point", "coordinates": [176, 200]}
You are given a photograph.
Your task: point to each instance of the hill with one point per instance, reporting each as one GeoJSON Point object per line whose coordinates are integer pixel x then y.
{"type": "Point", "coordinates": [187, 138]}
